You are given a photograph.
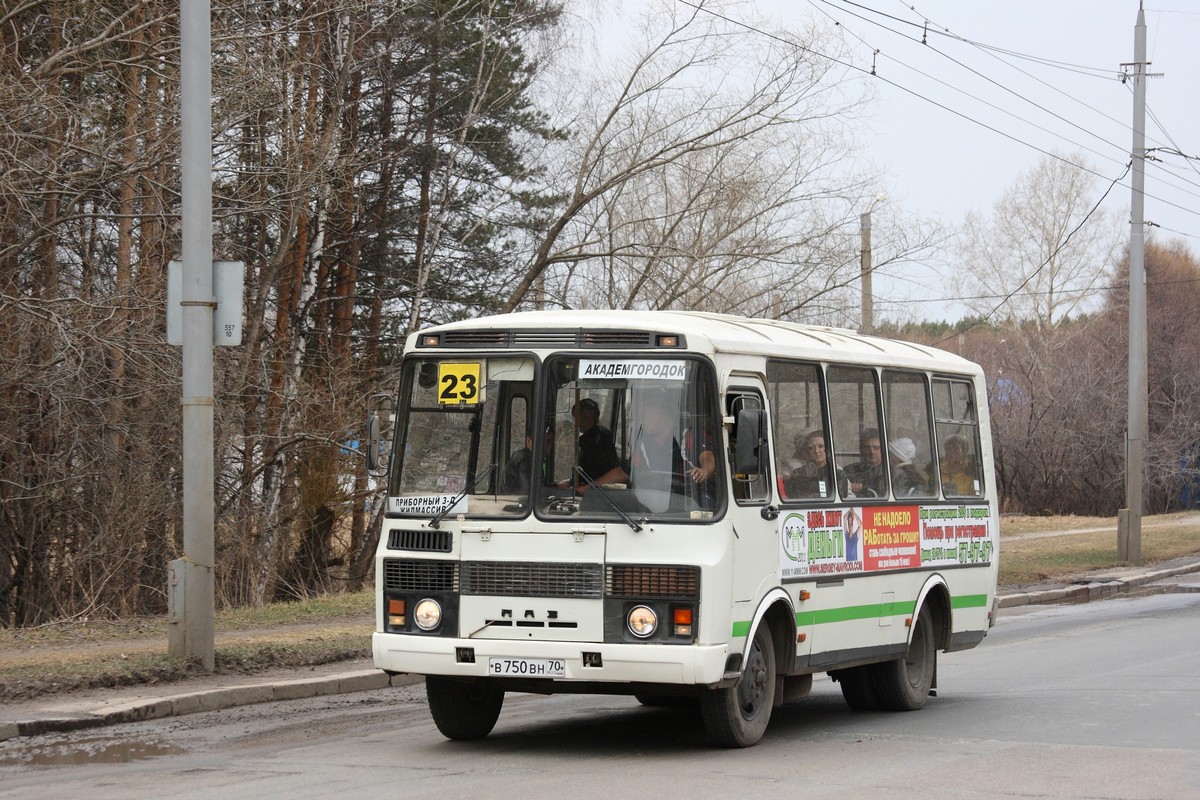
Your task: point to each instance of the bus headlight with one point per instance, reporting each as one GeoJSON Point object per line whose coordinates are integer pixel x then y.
{"type": "Point", "coordinates": [642, 621]}
{"type": "Point", "coordinates": [428, 614]}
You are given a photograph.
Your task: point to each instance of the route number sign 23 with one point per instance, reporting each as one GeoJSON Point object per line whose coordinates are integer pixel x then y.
{"type": "Point", "coordinates": [459, 384]}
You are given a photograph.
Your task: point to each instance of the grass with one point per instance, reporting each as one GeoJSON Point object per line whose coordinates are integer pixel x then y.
{"type": "Point", "coordinates": [94, 654]}
{"type": "Point", "coordinates": [85, 655]}
{"type": "Point", "coordinates": [1028, 558]}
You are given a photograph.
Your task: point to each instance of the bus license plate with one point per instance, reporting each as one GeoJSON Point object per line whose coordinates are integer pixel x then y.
{"type": "Point", "coordinates": [528, 667]}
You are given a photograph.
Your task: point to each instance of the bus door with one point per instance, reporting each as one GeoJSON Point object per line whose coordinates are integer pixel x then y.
{"type": "Point", "coordinates": [754, 519]}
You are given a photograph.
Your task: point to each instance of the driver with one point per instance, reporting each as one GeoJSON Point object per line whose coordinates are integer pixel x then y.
{"type": "Point", "coordinates": [667, 459]}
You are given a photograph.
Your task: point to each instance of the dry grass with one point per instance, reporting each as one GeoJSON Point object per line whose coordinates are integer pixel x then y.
{"type": "Point", "coordinates": [1035, 550]}
{"type": "Point", "coordinates": [84, 655]}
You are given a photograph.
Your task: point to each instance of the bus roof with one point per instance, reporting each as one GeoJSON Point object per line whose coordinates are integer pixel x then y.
{"type": "Point", "coordinates": [703, 332]}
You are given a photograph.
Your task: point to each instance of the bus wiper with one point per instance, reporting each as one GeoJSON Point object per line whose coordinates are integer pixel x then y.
{"type": "Point", "coordinates": [433, 523]}
{"type": "Point", "coordinates": [604, 493]}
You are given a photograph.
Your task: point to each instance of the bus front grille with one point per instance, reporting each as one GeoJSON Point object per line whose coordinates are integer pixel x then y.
{"type": "Point", "coordinates": [531, 579]}
{"type": "Point", "coordinates": [429, 541]}
{"type": "Point", "coordinates": [652, 581]}
{"type": "Point", "coordinates": [401, 575]}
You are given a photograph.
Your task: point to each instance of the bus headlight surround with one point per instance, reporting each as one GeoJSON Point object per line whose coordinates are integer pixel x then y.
{"type": "Point", "coordinates": [642, 621]}
{"type": "Point", "coordinates": [427, 614]}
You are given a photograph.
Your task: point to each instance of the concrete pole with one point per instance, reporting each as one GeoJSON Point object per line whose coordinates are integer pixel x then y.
{"type": "Point", "coordinates": [194, 637]}
{"type": "Point", "coordinates": [868, 297]}
{"type": "Point", "coordinates": [1129, 523]}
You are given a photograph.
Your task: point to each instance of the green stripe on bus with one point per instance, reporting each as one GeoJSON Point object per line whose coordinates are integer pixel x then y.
{"type": "Point", "coordinates": [847, 613]}
{"type": "Point", "coordinates": [870, 611]}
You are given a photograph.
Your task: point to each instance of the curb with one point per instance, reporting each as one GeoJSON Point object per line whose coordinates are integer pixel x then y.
{"type": "Point", "coordinates": [207, 700]}
{"type": "Point", "coordinates": [1093, 590]}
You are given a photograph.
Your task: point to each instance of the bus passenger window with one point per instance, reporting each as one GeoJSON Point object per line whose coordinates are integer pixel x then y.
{"type": "Point", "coordinates": [858, 445]}
{"type": "Point", "coordinates": [804, 459]}
{"type": "Point", "coordinates": [958, 438]}
{"type": "Point", "coordinates": [909, 435]}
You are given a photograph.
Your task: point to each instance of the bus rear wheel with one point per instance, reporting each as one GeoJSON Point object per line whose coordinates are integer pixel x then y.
{"type": "Point", "coordinates": [463, 710]}
{"type": "Point", "coordinates": [738, 716]}
{"type": "Point", "coordinates": [904, 684]}
{"type": "Point", "coordinates": [858, 687]}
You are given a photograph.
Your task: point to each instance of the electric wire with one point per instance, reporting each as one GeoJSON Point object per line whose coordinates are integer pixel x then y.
{"type": "Point", "coordinates": [914, 93]}
{"type": "Point", "coordinates": [894, 84]}
{"type": "Point", "coordinates": [995, 83]}
{"type": "Point", "coordinates": [1049, 258]}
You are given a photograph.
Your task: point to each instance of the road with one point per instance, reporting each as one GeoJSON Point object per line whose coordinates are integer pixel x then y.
{"type": "Point", "coordinates": [1091, 701]}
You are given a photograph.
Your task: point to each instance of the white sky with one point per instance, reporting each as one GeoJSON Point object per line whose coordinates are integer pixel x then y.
{"type": "Point", "coordinates": [942, 164]}
{"type": "Point", "coordinates": [939, 164]}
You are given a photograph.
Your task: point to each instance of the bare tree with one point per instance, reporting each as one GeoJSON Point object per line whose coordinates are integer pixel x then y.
{"type": "Point", "coordinates": [706, 170]}
{"type": "Point", "coordinates": [1047, 249]}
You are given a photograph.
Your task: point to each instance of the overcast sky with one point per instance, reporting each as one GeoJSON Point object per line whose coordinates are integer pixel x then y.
{"type": "Point", "coordinates": [1042, 75]}
{"type": "Point", "coordinates": [956, 121]}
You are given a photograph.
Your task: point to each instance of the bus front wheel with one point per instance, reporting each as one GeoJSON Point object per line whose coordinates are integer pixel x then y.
{"type": "Point", "coordinates": [463, 710]}
{"type": "Point", "coordinates": [904, 684]}
{"type": "Point", "coordinates": [738, 716]}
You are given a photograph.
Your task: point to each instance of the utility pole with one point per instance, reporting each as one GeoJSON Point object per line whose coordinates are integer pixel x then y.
{"type": "Point", "coordinates": [868, 297]}
{"type": "Point", "coordinates": [191, 636]}
{"type": "Point", "coordinates": [1129, 519]}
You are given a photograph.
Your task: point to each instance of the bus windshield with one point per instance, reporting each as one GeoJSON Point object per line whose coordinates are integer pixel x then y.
{"type": "Point", "coordinates": [632, 436]}
{"type": "Point", "coordinates": [465, 443]}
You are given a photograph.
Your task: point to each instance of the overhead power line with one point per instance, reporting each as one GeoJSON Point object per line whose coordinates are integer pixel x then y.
{"type": "Point", "coordinates": [1049, 258]}
{"type": "Point", "coordinates": [874, 74]}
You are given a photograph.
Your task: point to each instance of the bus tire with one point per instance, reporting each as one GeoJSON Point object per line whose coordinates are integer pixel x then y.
{"type": "Point", "coordinates": [904, 684]}
{"type": "Point", "coordinates": [858, 687]}
{"type": "Point", "coordinates": [738, 716]}
{"type": "Point", "coordinates": [463, 710]}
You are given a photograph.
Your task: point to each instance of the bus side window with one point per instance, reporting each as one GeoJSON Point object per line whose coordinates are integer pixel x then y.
{"type": "Point", "coordinates": [803, 459]}
{"type": "Point", "coordinates": [909, 435]}
{"type": "Point", "coordinates": [748, 487]}
{"type": "Point", "coordinates": [856, 423]}
{"type": "Point", "coordinates": [957, 438]}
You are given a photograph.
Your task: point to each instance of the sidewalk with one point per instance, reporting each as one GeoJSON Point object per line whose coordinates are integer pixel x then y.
{"type": "Point", "coordinates": [96, 708]}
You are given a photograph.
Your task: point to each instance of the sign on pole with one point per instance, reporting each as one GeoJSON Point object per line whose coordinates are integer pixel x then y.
{"type": "Point", "coordinates": [229, 281]}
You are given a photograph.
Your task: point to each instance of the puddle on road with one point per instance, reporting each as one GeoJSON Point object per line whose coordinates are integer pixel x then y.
{"type": "Point", "coordinates": [88, 750]}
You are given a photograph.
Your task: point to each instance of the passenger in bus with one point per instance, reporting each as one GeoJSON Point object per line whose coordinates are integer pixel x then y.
{"type": "Point", "coordinates": [866, 475]}
{"type": "Point", "coordinates": [597, 451]}
{"type": "Point", "coordinates": [958, 470]}
{"type": "Point", "coordinates": [515, 479]}
{"type": "Point", "coordinates": [789, 464]}
{"type": "Point", "coordinates": [907, 479]}
{"type": "Point", "coordinates": [811, 477]}
{"type": "Point", "coordinates": [664, 462]}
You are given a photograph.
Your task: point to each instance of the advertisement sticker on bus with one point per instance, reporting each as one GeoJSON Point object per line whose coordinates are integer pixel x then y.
{"type": "Point", "coordinates": [891, 538]}
{"type": "Point", "coordinates": [881, 538]}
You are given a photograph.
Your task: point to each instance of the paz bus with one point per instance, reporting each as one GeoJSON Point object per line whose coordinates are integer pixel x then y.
{"type": "Point", "coordinates": [718, 559]}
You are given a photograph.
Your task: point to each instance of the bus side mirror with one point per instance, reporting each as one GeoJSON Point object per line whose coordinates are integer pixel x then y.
{"type": "Point", "coordinates": [379, 434]}
{"type": "Point", "coordinates": [750, 438]}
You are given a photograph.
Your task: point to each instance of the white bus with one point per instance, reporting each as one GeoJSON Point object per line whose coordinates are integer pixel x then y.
{"type": "Point", "coordinates": [682, 507]}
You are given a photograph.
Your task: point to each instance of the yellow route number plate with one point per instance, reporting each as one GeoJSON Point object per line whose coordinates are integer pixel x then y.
{"type": "Point", "coordinates": [460, 383]}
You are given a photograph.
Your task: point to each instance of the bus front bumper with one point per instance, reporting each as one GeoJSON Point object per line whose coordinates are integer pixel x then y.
{"type": "Point", "coordinates": [590, 662]}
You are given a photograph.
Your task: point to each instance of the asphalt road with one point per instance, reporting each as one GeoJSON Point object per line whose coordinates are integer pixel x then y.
{"type": "Point", "coordinates": [1074, 701]}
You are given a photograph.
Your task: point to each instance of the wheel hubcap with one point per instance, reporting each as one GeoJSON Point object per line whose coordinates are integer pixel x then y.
{"type": "Point", "coordinates": [754, 683]}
